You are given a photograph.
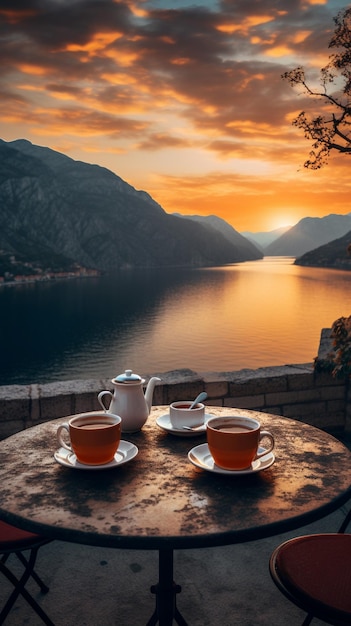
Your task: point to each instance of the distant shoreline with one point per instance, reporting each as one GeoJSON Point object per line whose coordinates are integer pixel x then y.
{"type": "Point", "coordinates": [93, 273]}
{"type": "Point", "coordinates": [48, 277]}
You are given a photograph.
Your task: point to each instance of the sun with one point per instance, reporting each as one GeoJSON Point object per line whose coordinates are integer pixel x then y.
{"type": "Point", "coordinates": [282, 221]}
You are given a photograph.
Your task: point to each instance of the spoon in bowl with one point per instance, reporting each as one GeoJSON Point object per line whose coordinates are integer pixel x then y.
{"type": "Point", "coordinates": [200, 398]}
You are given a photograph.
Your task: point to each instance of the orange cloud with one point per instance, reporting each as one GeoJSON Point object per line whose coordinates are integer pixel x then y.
{"type": "Point", "coordinates": [97, 44]}
{"type": "Point", "coordinates": [34, 70]}
{"type": "Point", "coordinates": [245, 26]}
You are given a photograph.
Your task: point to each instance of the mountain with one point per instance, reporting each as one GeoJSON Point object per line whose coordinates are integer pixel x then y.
{"type": "Point", "coordinates": [308, 234]}
{"type": "Point", "coordinates": [263, 239]}
{"type": "Point", "coordinates": [59, 214]}
{"type": "Point", "coordinates": [335, 254]}
{"type": "Point", "coordinates": [213, 222]}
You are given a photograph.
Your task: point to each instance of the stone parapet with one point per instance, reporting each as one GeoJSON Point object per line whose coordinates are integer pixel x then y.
{"type": "Point", "coordinates": [296, 391]}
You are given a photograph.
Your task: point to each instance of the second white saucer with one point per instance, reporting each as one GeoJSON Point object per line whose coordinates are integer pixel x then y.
{"type": "Point", "coordinates": [202, 458]}
{"type": "Point", "coordinates": [164, 422]}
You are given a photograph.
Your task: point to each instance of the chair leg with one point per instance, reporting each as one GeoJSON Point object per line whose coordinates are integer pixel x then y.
{"type": "Point", "coordinates": [345, 523]}
{"type": "Point", "coordinates": [19, 589]}
{"type": "Point", "coordinates": [43, 587]}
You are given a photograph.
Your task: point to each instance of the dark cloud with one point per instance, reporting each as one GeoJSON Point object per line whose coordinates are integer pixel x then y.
{"type": "Point", "coordinates": [52, 24]}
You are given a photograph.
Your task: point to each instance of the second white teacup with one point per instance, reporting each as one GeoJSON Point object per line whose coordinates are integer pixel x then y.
{"type": "Point", "coordinates": [181, 415]}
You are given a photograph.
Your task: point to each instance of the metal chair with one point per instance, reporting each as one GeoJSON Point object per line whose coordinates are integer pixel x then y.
{"type": "Point", "coordinates": [314, 572]}
{"type": "Point", "coordinates": [16, 541]}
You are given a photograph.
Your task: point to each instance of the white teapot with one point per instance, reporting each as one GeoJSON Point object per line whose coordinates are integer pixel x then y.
{"type": "Point", "coordinates": [128, 400]}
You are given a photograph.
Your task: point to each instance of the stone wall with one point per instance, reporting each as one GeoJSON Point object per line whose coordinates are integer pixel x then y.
{"type": "Point", "coordinates": [295, 391]}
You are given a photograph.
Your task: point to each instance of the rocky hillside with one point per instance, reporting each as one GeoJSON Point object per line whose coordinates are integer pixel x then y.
{"type": "Point", "coordinates": [336, 254]}
{"type": "Point", "coordinates": [308, 234]}
{"type": "Point", "coordinates": [57, 214]}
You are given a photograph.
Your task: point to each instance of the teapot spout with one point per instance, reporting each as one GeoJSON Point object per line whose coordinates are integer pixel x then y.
{"type": "Point", "coordinates": [150, 390]}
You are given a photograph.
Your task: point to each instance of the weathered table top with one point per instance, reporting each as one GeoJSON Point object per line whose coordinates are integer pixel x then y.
{"type": "Point", "coordinates": [159, 500]}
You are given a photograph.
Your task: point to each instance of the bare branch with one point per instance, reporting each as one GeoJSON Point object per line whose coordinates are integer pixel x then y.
{"type": "Point", "coordinates": [332, 131]}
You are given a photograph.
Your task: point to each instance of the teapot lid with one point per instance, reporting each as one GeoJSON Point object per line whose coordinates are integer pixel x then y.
{"type": "Point", "coordinates": [128, 377]}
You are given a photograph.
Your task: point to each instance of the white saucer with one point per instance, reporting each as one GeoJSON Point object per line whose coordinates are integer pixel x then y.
{"type": "Point", "coordinates": [126, 452]}
{"type": "Point", "coordinates": [164, 422]}
{"type": "Point", "coordinates": [202, 458]}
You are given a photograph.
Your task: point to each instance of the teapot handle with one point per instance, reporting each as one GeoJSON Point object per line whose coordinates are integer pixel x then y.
{"type": "Point", "coordinates": [100, 398]}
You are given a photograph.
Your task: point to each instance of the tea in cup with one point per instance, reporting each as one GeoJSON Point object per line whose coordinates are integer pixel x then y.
{"type": "Point", "coordinates": [234, 441]}
{"type": "Point", "coordinates": [94, 437]}
{"type": "Point", "coordinates": [182, 415]}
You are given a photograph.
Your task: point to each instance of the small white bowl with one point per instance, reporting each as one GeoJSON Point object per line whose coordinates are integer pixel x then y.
{"type": "Point", "coordinates": [181, 415]}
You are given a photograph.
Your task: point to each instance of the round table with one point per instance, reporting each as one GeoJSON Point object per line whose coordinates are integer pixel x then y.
{"type": "Point", "coordinates": [159, 500]}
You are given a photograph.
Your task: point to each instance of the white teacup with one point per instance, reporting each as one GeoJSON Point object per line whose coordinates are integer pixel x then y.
{"type": "Point", "coordinates": [181, 415]}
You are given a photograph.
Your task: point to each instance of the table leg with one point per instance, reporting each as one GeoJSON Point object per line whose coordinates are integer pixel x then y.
{"type": "Point", "coordinates": [166, 590]}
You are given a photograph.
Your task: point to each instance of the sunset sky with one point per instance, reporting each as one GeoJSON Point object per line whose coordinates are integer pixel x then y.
{"type": "Point", "coordinates": [183, 99]}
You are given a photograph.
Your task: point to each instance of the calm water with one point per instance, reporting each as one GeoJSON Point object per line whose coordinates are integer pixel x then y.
{"type": "Point", "coordinates": [253, 314]}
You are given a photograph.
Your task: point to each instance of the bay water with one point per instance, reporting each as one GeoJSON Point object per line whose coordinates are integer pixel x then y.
{"type": "Point", "coordinates": [246, 315]}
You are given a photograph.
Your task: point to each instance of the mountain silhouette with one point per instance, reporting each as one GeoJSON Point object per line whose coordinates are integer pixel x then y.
{"type": "Point", "coordinates": [57, 214]}
{"type": "Point", "coordinates": [213, 222]}
{"type": "Point", "coordinates": [308, 234]}
{"type": "Point", "coordinates": [335, 254]}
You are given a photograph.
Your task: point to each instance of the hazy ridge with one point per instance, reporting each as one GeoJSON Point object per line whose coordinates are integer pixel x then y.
{"type": "Point", "coordinates": [314, 242]}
